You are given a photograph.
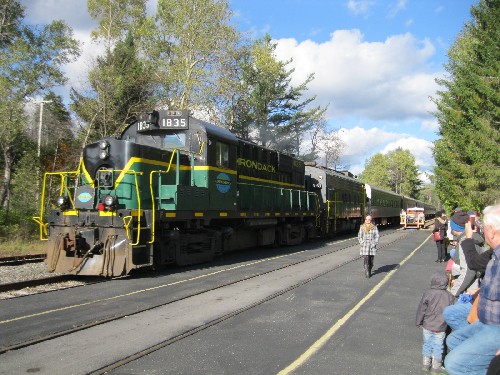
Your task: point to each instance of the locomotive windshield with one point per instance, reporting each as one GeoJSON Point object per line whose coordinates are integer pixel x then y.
{"type": "Point", "coordinates": [174, 140]}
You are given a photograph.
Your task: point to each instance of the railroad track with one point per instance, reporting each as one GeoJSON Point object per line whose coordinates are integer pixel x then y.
{"type": "Point", "coordinates": [143, 353]}
{"type": "Point", "coordinates": [22, 259]}
{"type": "Point", "coordinates": [9, 287]}
{"type": "Point", "coordinates": [83, 326]}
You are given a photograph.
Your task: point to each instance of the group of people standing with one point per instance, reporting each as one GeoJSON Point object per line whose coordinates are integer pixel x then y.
{"type": "Point", "coordinates": [467, 303]}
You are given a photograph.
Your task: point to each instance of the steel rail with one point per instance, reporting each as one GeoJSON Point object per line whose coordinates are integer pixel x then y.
{"type": "Point", "coordinates": [22, 259]}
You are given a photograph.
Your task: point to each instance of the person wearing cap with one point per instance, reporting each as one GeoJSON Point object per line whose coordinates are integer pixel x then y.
{"type": "Point", "coordinates": [473, 347]}
{"type": "Point", "coordinates": [464, 277]}
{"type": "Point", "coordinates": [456, 315]}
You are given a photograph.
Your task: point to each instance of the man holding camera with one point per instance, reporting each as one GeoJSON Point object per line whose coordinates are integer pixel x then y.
{"type": "Point", "coordinates": [473, 347]}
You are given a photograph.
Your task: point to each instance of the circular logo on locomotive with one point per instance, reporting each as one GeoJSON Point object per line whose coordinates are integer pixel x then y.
{"type": "Point", "coordinates": [223, 182]}
{"type": "Point", "coordinates": [84, 197]}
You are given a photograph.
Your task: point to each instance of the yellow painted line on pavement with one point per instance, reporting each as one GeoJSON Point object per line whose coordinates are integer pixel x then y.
{"type": "Point", "coordinates": [328, 335]}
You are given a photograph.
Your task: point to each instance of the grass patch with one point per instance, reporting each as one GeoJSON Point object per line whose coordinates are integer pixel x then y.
{"type": "Point", "coordinates": [9, 248]}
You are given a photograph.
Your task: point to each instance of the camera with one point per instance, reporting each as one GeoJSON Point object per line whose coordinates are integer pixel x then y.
{"type": "Point", "coordinates": [472, 221]}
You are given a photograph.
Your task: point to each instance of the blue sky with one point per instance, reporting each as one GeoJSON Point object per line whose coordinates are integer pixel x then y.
{"type": "Point", "coordinates": [375, 61]}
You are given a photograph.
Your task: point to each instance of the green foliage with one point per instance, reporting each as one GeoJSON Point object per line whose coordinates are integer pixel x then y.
{"type": "Point", "coordinates": [31, 62]}
{"type": "Point", "coordinates": [60, 150]}
{"type": "Point", "coordinates": [116, 19]}
{"type": "Point", "coordinates": [395, 171]}
{"type": "Point", "coordinates": [120, 89]}
{"type": "Point", "coordinates": [11, 12]}
{"type": "Point", "coordinates": [16, 218]}
{"type": "Point", "coordinates": [376, 172]}
{"type": "Point", "coordinates": [270, 111]}
{"type": "Point", "coordinates": [193, 47]}
{"type": "Point", "coordinates": [428, 194]}
{"type": "Point", "coordinates": [25, 187]}
{"type": "Point", "coordinates": [468, 111]}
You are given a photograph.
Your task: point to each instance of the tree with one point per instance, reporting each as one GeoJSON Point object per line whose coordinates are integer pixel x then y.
{"type": "Point", "coordinates": [117, 19]}
{"type": "Point", "coordinates": [376, 172]}
{"type": "Point", "coordinates": [395, 171]}
{"type": "Point", "coordinates": [59, 148]}
{"type": "Point", "coordinates": [120, 88]}
{"type": "Point", "coordinates": [273, 112]}
{"type": "Point", "coordinates": [120, 81]}
{"type": "Point", "coordinates": [468, 111]}
{"type": "Point", "coordinates": [32, 57]}
{"type": "Point", "coordinates": [428, 194]}
{"type": "Point", "coordinates": [332, 146]}
{"type": "Point", "coordinates": [193, 47]}
{"type": "Point", "coordinates": [403, 173]}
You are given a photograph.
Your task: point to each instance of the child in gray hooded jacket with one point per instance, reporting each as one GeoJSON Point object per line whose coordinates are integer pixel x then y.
{"type": "Point", "coordinates": [430, 318]}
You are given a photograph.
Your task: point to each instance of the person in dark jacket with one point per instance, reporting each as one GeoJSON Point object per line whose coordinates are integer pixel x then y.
{"type": "Point", "coordinates": [430, 318]}
{"type": "Point", "coordinates": [473, 347]}
{"type": "Point", "coordinates": [441, 226]}
{"type": "Point", "coordinates": [465, 277]}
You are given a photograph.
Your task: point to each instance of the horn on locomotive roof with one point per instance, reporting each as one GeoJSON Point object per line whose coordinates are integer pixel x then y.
{"type": "Point", "coordinates": [150, 117]}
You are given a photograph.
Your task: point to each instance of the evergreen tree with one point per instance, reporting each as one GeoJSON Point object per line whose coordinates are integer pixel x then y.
{"type": "Point", "coordinates": [60, 150]}
{"type": "Point", "coordinates": [271, 111]}
{"type": "Point", "coordinates": [468, 111]}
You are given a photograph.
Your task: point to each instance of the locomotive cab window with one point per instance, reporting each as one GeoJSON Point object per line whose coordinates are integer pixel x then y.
{"type": "Point", "coordinates": [221, 154]}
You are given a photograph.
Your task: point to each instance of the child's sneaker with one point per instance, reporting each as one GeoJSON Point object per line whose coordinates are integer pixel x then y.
{"type": "Point", "coordinates": [426, 364]}
{"type": "Point", "coordinates": [437, 368]}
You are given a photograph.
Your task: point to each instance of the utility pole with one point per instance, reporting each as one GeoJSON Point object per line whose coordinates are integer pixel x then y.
{"type": "Point", "coordinates": [40, 124]}
{"type": "Point", "coordinates": [41, 102]}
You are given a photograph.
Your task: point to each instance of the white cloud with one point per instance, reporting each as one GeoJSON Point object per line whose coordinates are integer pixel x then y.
{"type": "Point", "coordinates": [360, 6]}
{"type": "Point", "coordinates": [363, 143]}
{"type": "Point", "coordinates": [394, 10]}
{"type": "Point", "coordinates": [45, 11]}
{"type": "Point", "coordinates": [378, 80]}
{"type": "Point", "coordinates": [419, 148]}
{"type": "Point", "coordinates": [432, 125]}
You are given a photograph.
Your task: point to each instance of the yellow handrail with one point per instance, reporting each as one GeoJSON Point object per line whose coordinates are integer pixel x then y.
{"type": "Point", "coordinates": [64, 187]}
{"type": "Point", "coordinates": [138, 194]}
{"type": "Point", "coordinates": [176, 152]}
{"type": "Point", "coordinates": [153, 215]}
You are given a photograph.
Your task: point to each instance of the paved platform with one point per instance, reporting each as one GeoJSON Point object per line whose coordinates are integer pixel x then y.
{"type": "Point", "coordinates": [373, 324]}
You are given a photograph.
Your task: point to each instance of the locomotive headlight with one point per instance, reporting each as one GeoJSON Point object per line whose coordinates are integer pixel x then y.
{"type": "Point", "coordinates": [104, 152]}
{"type": "Point", "coordinates": [63, 202]}
{"type": "Point", "coordinates": [109, 201]}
